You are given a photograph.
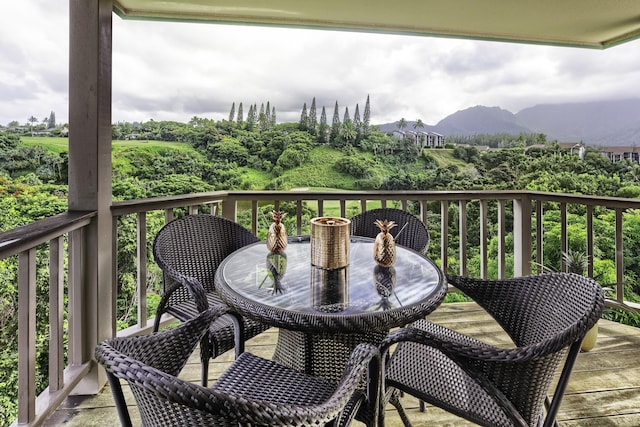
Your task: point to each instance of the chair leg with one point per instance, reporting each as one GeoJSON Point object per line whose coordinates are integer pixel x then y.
{"type": "Point", "coordinates": [553, 407]}
{"type": "Point", "coordinates": [394, 399]}
{"type": "Point", "coordinates": [205, 355]}
{"type": "Point", "coordinates": [205, 373]}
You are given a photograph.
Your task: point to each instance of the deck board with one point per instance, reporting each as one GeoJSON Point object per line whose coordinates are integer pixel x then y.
{"type": "Point", "coordinates": [604, 389]}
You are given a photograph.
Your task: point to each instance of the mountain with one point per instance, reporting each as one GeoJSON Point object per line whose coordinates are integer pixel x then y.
{"type": "Point", "coordinates": [606, 123]}
{"type": "Point", "coordinates": [481, 120]}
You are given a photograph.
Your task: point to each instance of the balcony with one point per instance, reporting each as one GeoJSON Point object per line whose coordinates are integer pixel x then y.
{"type": "Point", "coordinates": [515, 218]}
{"type": "Point", "coordinates": [81, 243]}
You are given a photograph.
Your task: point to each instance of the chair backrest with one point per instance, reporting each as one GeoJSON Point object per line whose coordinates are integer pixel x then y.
{"type": "Point", "coordinates": [556, 307]}
{"type": "Point", "coordinates": [147, 359]}
{"type": "Point", "coordinates": [195, 245]}
{"type": "Point", "coordinates": [545, 315]}
{"type": "Point", "coordinates": [150, 365]}
{"type": "Point", "coordinates": [409, 232]}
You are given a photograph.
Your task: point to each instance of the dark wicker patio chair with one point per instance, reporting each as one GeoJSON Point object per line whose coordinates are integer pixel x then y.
{"type": "Point", "coordinates": [252, 391]}
{"type": "Point", "coordinates": [414, 235]}
{"type": "Point", "coordinates": [546, 315]}
{"type": "Point", "coordinates": [189, 251]}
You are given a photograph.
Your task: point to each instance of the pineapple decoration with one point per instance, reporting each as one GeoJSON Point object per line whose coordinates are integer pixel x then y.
{"type": "Point", "coordinates": [277, 236]}
{"type": "Point", "coordinates": [384, 279]}
{"type": "Point", "coordinates": [384, 247]}
{"type": "Point", "coordinates": [276, 267]}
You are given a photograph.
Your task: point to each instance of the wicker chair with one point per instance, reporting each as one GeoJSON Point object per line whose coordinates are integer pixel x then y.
{"type": "Point", "coordinates": [414, 235]}
{"type": "Point", "coordinates": [189, 250]}
{"type": "Point", "coordinates": [252, 391]}
{"type": "Point", "coordinates": [546, 316]}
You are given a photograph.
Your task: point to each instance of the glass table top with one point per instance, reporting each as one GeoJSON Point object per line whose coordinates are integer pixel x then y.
{"type": "Point", "coordinates": [289, 282]}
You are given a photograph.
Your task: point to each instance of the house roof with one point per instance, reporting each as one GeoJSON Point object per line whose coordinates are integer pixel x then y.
{"type": "Point", "coordinates": [579, 23]}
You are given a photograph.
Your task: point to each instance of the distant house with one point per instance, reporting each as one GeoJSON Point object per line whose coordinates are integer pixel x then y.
{"type": "Point", "coordinates": [398, 134]}
{"type": "Point", "coordinates": [405, 135]}
{"type": "Point", "coordinates": [617, 154]}
{"type": "Point", "coordinates": [433, 140]}
{"type": "Point", "coordinates": [578, 149]}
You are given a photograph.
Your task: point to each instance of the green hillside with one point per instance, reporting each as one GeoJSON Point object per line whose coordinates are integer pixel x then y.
{"type": "Point", "coordinates": [318, 171]}
{"type": "Point", "coordinates": [61, 145]}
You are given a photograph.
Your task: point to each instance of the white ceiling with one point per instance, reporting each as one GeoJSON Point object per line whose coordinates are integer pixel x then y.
{"type": "Point", "coordinates": [580, 23]}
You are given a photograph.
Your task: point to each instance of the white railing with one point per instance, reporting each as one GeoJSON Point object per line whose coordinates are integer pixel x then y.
{"type": "Point", "coordinates": [505, 213]}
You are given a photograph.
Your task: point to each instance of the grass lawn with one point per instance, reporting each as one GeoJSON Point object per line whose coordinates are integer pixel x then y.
{"type": "Point", "coordinates": [444, 157]}
{"type": "Point", "coordinates": [61, 145]}
{"type": "Point", "coordinates": [55, 145]}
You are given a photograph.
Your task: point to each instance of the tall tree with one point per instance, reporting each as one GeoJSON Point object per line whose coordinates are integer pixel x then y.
{"type": "Point", "coordinates": [252, 117]}
{"type": "Point", "coordinates": [262, 119]}
{"type": "Point", "coordinates": [267, 112]}
{"type": "Point", "coordinates": [366, 119]}
{"type": "Point", "coordinates": [313, 118]}
{"type": "Point", "coordinates": [419, 125]}
{"type": "Point", "coordinates": [304, 118]}
{"type": "Point", "coordinates": [273, 116]}
{"type": "Point", "coordinates": [232, 114]}
{"type": "Point", "coordinates": [52, 120]}
{"type": "Point", "coordinates": [32, 120]}
{"type": "Point", "coordinates": [335, 124]}
{"type": "Point", "coordinates": [402, 123]}
{"type": "Point", "coordinates": [357, 123]}
{"type": "Point", "coordinates": [346, 118]}
{"type": "Point", "coordinates": [240, 116]}
{"type": "Point", "coordinates": [323, 129]}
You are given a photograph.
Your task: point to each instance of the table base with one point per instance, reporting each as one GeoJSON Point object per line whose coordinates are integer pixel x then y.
{"type": "Point", "coordinates": [321, 354]}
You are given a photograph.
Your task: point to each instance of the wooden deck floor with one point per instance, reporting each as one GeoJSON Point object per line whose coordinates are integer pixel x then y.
{"type": "Point", "coordinates": [604, 389]}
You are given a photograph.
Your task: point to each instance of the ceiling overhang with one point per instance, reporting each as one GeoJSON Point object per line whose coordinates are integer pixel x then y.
{"type": "Point", "coordinates": [578, 23]}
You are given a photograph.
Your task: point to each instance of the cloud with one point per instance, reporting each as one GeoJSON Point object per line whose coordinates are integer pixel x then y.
{"type": "Point", "coordinates": [174, 71]}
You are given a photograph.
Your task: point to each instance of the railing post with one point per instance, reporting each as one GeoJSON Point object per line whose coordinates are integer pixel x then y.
{"type": "Point", "coordinates": [522, 240]}
{"type": "Point", "coordinates": [444, 235]}
{"type": "Point", "coordinates": [590, 241]}
{"type": "Point", "coordinates": [502, 232]}
{"type": "Point", "coordinates": [564, 236]}
{"type": "Point", "coordinates": [539, 236]}
{"type": "Point", "coordinates": [462, 223]}
{"type": "Point", "coordinates": [141, 225]}
{"type": "Point", "coordinates": [619, 240]}
{"type": "Point", "coordinates": [484, 237]}
{"type": "Point", "coordinates": [27, 336]}
{"type": "Point", "coordinates": [229, 208]}
{"type": "Point", "coordinates": [56, 313]}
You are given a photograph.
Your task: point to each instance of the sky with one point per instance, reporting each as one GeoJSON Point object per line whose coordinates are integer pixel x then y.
{"type": "Point", "coordinates": [175, 71]}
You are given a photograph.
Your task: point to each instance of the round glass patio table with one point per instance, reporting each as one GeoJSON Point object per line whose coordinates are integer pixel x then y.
{"type": "Point", "coordinates": [323, 314]}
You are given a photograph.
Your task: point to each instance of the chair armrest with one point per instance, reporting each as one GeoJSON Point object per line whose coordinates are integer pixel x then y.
{"type": "Point", "coordinates": [193, 286]}
{"type": "Point", "coordinates": [161, 346]}
{"type": "Point", "coordinates": [365, 358]}
{"type": "Point", "coordinates": [455, 344]}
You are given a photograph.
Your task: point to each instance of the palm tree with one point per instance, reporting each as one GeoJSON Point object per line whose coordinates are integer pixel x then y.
{"type": "Point", "coordinates": [419, 125]}
{"type": "Point", "coordinates": [32, 120]}
{"type": "Point", "coordinates": [402, 123]}
{"type": "Point", "coordinates": [348, 132]}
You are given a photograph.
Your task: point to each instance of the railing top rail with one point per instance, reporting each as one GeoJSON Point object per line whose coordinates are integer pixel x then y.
{"type": "Point", "coordinates": [31, 235]}
{"type": "Point", "coordinates": [591, 200]}
{"type": "Point", "coordinates": [377, 195]}
{"type": "Point", "coordinates": [166, 202]}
